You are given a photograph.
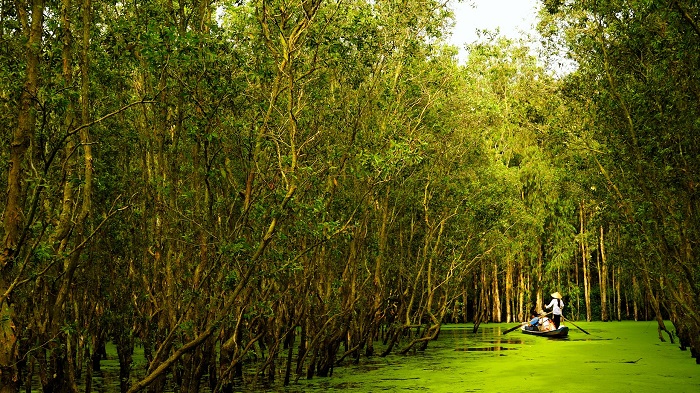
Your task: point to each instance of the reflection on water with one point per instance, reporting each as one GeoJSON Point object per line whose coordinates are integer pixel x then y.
{"type": "Point", "coordinates": [487, 349]}
{"type": "Point", "coordinates": [590, 339]}
{"type": "Point", "coordinates": [457, 348]}
{"type": "Point", "coordinates": [487, 339]}
{"type": "Point", "coordinates": [515, 341]}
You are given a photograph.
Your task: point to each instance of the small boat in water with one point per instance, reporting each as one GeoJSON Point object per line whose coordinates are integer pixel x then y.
{"type": "Point", "coordinates": [563, 331]}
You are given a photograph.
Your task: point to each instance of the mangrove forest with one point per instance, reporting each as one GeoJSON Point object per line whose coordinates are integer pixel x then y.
{"type": "Point", "coordinates": [288, 186]}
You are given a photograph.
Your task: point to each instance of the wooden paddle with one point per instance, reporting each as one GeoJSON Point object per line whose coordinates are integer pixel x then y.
{"type": "Point", "coordinates": [579, 328]}
{"type": "Point", "coordinates": [513, 328]}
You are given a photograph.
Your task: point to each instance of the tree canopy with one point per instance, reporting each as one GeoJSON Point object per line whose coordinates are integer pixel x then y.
{"type": "Point", "coordinates": [289, 185]}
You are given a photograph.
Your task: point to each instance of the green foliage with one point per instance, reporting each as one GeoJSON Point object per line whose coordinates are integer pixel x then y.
{"type": "Point", "coordinates": [264, 165]}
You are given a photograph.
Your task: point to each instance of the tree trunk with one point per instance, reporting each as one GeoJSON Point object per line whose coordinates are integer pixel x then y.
{"type": "Point", "coordinates": [603, 279]}
{"type": "Point", "coordinates": [618, 294]}
{"type": "Point", "coordinates": [635, 297]}
{"type": "Point", "coordinates": [465, 299]}
{"type": "Point", "coordinates": [289, 343]}
{"type": "Point", "coordinates": [655, 304]}
{"type": "Point", "coordinates": [13, 213]}
{"type": "Point", "coordinates": [9, 374]}
{"type": "Point", "coordinates": [585, 263]}
{"type": "Point", "coordinates": [125, 349]}
{"type": "Point", "coordinates": [480, 301]}
{"type": "Point", "coordinates": [522, 289]}
{"type": "Point", "coordinates": [510, 299]}
{"type": "Point", "coordinates": [539, 302]}
{"type": "Point", "coordinates": [496, 297]}
{"type": "Point", "coordinates": [577, 275]}
{"type": "Point", "coordinates": [382, 241]}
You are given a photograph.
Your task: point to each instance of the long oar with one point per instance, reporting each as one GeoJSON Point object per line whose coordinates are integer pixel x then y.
{"type": "Point", "coordinates": [513, 328]}
{"type": "Point", "coordinates": [579, 328]}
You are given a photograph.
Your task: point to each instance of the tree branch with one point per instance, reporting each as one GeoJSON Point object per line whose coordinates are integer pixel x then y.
{"type": "Point", "coordinates": [687, 17]}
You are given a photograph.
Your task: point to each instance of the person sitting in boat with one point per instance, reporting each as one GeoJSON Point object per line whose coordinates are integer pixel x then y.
{"type": "Point", "coordinates": [547, 325]}
{"type": "Point", "coordinates": [534, 321]}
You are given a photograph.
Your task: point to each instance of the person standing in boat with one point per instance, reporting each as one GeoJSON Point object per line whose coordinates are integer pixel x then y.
{"type": "Point", "coordinates": [556, 305]}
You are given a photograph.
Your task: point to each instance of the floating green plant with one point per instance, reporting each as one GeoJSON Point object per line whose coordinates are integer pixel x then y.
{"type": "Point", "coordinates": [614, 357]}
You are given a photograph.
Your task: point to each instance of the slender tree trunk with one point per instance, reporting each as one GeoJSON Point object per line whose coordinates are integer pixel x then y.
{"type": "Point", "coordinates": [290, 355]}
{"type": "Point", "coordinates": [569, 285]}
{"type": "Point", "coordinates": [618, 295]}
{"type": "Point", "coordinates": [586, 287]}
{"type": "Point", "coordinates": [510, 309]}
{"type": "Point", "coordinates": [496, 317]}
{"type": "Point", "coordinates": [655, 304]}
{"type": "Point", "coordinates": [480, 287]}
{"type": "Point", "coordinates": [465, 299]}
{"type": "Point", "coordinates": [88, 370]}
{"type": "Point", "coordinates": [603, 279]}
{"type": "Point", "coordinates": [125, 350]}
{"type": "Point", "coordinates": [540, 269]}
{"type": "Point", "coordinates": [635, 296]}
{"type": "Point", "coordinates": [585, 263]}
{"type": "Point", "coordinates": [9, 374]}
{"type": "Point", "coordinates": [12, 215]}
{"type": "Point", "coordinates": [382, 245]}
{"type": "Point", "coordinates": [522, 289]}
{"type": "Point", "coordinates": [72, 220]}
{"type": "Point", "coordinates": [577, 275]}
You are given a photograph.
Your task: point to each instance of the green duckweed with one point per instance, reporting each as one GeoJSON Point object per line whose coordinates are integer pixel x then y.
{"type": "Point", "coordinates": [614, 357]}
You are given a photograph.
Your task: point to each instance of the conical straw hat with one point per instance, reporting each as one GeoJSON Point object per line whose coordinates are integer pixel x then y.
{"type": "Point", "coordinates": [556, 295]}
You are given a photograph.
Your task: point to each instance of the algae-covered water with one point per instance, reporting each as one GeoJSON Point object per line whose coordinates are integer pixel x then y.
{"type": "Point", "coordinates": [615, 357]}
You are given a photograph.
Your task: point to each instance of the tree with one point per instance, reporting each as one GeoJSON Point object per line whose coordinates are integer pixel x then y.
{"type": "Point", "coordinates": [635, 64]}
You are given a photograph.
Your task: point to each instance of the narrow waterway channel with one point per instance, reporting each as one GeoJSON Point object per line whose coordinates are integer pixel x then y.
{"type": "Point", "coordinates": [614, 357]}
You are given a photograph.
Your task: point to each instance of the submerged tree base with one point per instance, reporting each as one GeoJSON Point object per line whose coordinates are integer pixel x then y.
{"type": "Point", "coordinates": [615, 356]}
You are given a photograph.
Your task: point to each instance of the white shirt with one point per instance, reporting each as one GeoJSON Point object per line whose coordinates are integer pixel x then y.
{"type": "Point", "coordinates": [545, 324]}
{"type": "Point", "coordinates": [555, 303]}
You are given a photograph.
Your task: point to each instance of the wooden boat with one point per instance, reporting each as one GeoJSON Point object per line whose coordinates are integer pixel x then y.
{"type": "Point", "coordinates": [563, 331]}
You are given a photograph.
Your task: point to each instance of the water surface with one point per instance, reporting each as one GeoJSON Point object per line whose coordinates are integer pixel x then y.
{"type": "Point", "coordinates": [614, 357]}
